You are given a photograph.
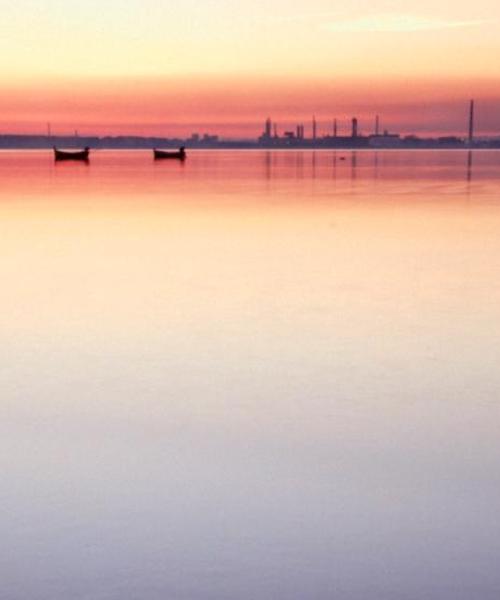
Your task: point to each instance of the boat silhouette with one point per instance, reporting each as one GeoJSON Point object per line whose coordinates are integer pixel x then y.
{"type": "Point", "coordinates": [162, 154]}
{"type": "Point", "coordinates": [82, 155]}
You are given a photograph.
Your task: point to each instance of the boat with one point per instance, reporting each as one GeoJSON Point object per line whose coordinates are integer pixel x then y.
{"type": "Point", "coordinates": [162, 154]}
{"type": "Point", "coordinates": [72, 155]}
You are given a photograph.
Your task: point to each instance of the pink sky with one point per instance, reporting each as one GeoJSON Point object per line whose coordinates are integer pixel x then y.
{"type": "Point", "coordinates": [238, 107]}
{"type": "Point", "coordinates": [158, 68]}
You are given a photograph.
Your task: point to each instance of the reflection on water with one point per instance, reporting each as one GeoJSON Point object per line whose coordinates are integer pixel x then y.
{"type": "Point", "coordinates": [469, 165]}
{"type": "Point", "coordinates": [255, 375]}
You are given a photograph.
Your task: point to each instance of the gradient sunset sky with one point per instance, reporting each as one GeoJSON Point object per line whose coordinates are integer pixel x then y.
{"type": "Point", "coordinates": [163, 67]}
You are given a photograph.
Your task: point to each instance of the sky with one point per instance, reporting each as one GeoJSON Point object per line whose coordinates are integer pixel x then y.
{"type": "Point", "coordinates": [164, 67]}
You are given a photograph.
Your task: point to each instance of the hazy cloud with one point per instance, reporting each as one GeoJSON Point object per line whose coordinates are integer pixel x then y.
{"type": "Point", "coordinates": [396, 23]}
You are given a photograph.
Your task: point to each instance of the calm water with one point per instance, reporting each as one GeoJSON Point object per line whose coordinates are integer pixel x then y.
{"type": "Point", "coordinates": [254, 375]}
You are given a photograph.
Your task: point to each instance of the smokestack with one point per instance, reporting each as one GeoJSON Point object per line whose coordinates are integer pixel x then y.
{"type": "Point", "coordinates": [471, 122]}
{"type": "Point", "coordinates": [335, 128]}
{"type": "Point", "coordinates": [275, 130]}
{"type": "Point", "coordinates": [377, 125]}
{"type": "Point", "coordinates": [268, 127]}
{"type": "Point", "coordinates": [354, 128]}
{"type": "Point", "coordinates": [314, 127]}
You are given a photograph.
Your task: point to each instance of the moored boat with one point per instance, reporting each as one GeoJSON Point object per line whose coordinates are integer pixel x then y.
{"type": "Point", "coordinates": [72, 154]}
{"type": "Point", "coordinates": [162, 154]}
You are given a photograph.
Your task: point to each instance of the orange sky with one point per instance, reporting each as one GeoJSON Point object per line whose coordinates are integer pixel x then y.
{"type": "Point", "coordinates": [142, 67]}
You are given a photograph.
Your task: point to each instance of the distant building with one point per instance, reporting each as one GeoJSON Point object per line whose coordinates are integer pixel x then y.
{"type": "Point", "coordinates": [385, 140]}
{"type": "Point", "coordinates": [267, 134]}
{"type": "Point", "coordinates": [210, 139]}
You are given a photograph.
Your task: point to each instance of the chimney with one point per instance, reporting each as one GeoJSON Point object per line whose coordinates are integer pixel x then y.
{"type": "Point", "coordinates": [354, 128]}
{"type": "Point", "coordinates": [268, 128]}
{"type": "Point", "coordinates": [471, 122]}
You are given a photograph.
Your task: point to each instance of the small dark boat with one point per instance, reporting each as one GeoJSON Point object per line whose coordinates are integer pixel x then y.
{"type": "Point", "coordinates": [162, 154]}
{"type": "Point", "coordinates": [72, 155]}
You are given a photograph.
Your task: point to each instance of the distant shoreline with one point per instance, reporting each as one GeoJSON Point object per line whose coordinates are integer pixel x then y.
{"type": "Point", "coordinates": [44, 142]}
{"type": "Point", "coordinates": [262, 149]}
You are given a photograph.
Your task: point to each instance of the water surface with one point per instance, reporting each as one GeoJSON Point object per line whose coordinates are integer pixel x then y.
{"type": "Point", "coordinates": [252, 375]}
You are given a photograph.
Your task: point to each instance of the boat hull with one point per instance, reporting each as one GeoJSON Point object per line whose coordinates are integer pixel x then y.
{"type": "Point", "coordinates": [81, 155]}
{"type": "Point", "coordinates": [163, 155]}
